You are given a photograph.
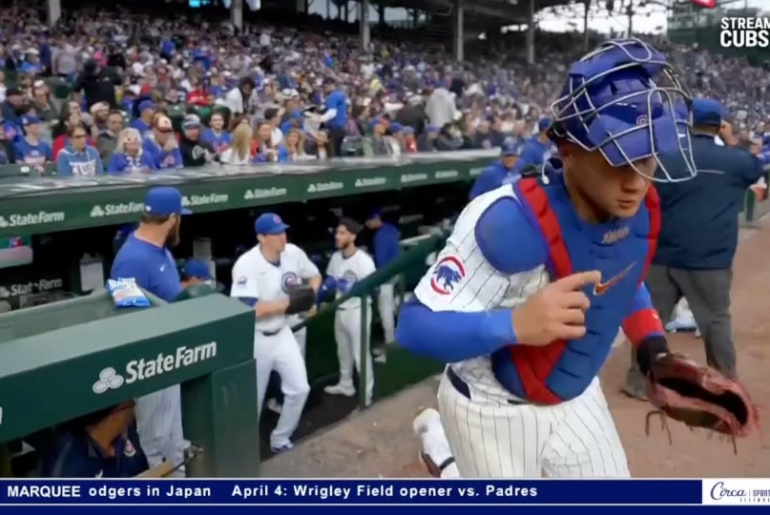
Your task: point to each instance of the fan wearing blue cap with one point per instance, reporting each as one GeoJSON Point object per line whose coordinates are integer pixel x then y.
{"type": "Point", "coordinates": [500, 172]}
{"type": "Point", "coordinates": [525, 299]}
{"type": "Point", "coordinates": [268, 278]}
{"type": "Point", "coordinates": [538, 149]}
{"type": "Point", "coordinates": [699, 235]}
{"type": "Point", "coordinates": [146, 257]}
{"type": "Point", "coordinates": [30, 149]}
{"type": "Point", "coordinates": [144, 122]}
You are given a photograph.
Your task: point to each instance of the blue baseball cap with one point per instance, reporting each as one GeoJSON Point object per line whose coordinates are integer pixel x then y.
{"type": "Point", "coordinates": [30, 119]}
{"type": "Point", "coordinates": [706, 111]}
{"type": "Point", "coordinates": [509, 148]}
{"type": "Point", "coordinates": [543, 124]}
{"type": "Point", "coordinates": [146, 104]}
{"type": "Point", "coordinates": [374, 213]}
{"type": "Point", "coordinates": [197, 268]}
{"type": "Point", "coordinates": [433, 128]}
{"type": "Point", "coordinates": [396, 127]}
{"type": "Point", "coordinates": [164, 201]}
{"type": "Point", "coordinates": [269, 223]}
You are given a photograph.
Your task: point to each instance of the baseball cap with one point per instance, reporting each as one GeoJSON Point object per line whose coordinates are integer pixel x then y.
{"type": "Point", "coordinates": [29, 119]}
{"type": "Point", "coordinates": [269, 223]}
{"type": "Point", "coordinates": [191, 121]}
{"type": "Point", "coordinates": [374, 213]}
{"type": "Point", "coordinates": [10, 92]}
{"type": "Point", "coordinates": [433, 128]}
{"type": "Point", "coordinates": [164, 201]}
{"type": "Point", "coordinates": [706, 111]}
{"type": "Point", "coordinates": [543, 124]}
{"type": "Point", "coordinates": [396, 127]}
{"type": "Point", "coordinates": [509, 148]}
{"type": "Point", "coordinates": [164, 124]}
{"type": "Point", "coordinates": [197, 268]}
{"type": "Point", "coordinates": [146, 104]}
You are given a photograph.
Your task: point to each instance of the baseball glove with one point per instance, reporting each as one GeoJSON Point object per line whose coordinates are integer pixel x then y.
{"type": "Point", "coordinates": [301, 298]}
{"type": "Point", "coordinates": [699, 396]}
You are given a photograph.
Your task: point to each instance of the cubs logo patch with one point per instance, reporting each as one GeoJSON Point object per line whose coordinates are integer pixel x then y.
{"type": "Point", "coordinates": [289, 281]}
{"type": "Point", "coordinates": [241, 281]}
{"type": "Point", "coordinates": [448, 273]}
{"type": "Point", "coordinates": [129, 450]}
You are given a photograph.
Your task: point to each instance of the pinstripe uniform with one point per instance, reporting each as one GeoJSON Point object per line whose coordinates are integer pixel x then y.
{"type": "Point", "coordinates": [491, 432]}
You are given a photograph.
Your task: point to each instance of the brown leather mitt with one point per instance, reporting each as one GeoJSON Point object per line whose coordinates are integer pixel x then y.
{"type": "Point", "coordinates": [699, 396]}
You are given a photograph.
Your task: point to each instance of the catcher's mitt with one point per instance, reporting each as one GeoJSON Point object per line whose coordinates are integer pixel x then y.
{"type": "Point", "coordinates": [699, 396]}
{"type": "Point", "coordinates": [301, 298]}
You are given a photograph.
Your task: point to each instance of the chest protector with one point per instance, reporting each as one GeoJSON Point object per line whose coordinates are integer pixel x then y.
{"type": "Point", "coordinates": [563, 369]}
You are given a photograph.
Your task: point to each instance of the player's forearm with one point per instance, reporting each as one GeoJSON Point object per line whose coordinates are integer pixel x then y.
{"type": "Point", "coordinates": [315, 282]}
{"type": "Point", "coordinates": [452, 336]}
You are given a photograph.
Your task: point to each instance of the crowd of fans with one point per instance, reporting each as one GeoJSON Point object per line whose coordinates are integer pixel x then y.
{"type": "Point", "coordinates": [153, 93]}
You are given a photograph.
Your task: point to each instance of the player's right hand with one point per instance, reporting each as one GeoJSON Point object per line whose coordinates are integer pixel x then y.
{"type": "Point", "coordinates": [557, 312]}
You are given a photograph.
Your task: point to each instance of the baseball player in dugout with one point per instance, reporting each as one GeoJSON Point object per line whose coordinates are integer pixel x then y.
{"type": "Point", "coordinates": [269, 278]}
{"type": "Point", "coordinates": [525, 300]}
{"type": "Point", "coordinates": [386, 250]}
{"type": "Point", "coordinates": [697, 263]}
{"type": "Point", "coordinates": [145, 257]}
{"type": "Point", "coordinates": [346, 267]}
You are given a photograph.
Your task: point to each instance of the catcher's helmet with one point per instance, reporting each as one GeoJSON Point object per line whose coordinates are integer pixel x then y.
{"type": "Point", "coordinates": [624, 100]}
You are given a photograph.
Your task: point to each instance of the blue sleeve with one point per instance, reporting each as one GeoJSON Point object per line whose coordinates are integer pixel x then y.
{"type": "Point", "coordinates": [117, 163]}
{"type": "Point", "coordinates": [451, 336]}
{"type": "Point", "coordinates": [386, 248]}
{"type": "Point", "coordinates": [63, 167]}
{"type": "Point", "coordinates": [249, 301]}
{"type": "Point", "coordinates": [48, 152]}
{"type": "Point", "coordinates": [511, 243]}
{"type": "Point", "coordinates": [260, 158]}
{"type": "Point", "coordinates": [483, 183]}
{"type": "Point", "coordinates": [283, 155]}
{"type": "Point", "coordinates": [126, 267]}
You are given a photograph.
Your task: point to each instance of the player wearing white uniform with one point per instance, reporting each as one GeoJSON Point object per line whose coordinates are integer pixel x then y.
{"type": "Point", "coordinates": [263, 278]}
{"type": "Point", "coordinates": [508, 305]}
{"type": "Point", "coordinates": [347, 266]}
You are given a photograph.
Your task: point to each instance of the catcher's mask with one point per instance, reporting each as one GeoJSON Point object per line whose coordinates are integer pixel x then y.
{"type": "Point", "coordinates": [624, 100]}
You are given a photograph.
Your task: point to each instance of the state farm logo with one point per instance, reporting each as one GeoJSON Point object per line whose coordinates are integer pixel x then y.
{"type": "Point", "coordinates": [447, 174]}
{"type": "Point", "coordinates": [125, 208]}
{"type": "Point", "coordinates": [320, 187]}
{"type": "Point", "coordinates": [258, 193]}
{"type": "Point", "coordinates": [368, 183]}
{"type": "Point", "coordinates": [204, 200]}
{"type": "Point", "coordinates": [413, 177]}
{"type": "Point", "coordinates": [25, 220]}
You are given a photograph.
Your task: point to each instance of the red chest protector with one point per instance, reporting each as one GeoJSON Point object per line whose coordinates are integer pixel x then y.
{"type": "Point", "coordinates": [534, 364]}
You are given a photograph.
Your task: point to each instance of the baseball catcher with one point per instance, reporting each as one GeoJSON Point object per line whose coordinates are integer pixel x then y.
{"type": "Point", "coordinates": [525, 300]}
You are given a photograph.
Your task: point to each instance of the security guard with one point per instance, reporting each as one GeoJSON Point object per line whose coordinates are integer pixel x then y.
{"type": "Point", "coordinates": [386, 250]}
{"type": "Point", "coordinates": [500, 172]}
{"type": "Point", "coordinates": [100, 444]}
{"type": "Point", "coordinates": [145, 257]}
{"type": "Point", "coordinates": [699, 236]}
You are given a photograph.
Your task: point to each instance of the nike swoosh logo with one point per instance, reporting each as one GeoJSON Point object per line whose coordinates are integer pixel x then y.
{"type": "Point", "coordinates": [601, 287]}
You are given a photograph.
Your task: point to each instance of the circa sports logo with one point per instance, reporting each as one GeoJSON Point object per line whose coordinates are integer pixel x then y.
{"type": "Point", "coordinates": [289, 281]}
{"type": "Point", "coordinates": [448, 273]}
{"type": "Point", "coordinates": [736, 491]}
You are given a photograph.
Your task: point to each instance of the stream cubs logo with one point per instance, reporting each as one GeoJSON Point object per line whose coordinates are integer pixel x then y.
{"type": "Point", "coordinates": [289, 281]}
{"type": "Point", "coordinates": [447, 274]}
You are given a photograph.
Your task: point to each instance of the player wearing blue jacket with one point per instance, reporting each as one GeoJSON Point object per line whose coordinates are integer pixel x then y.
{"type": "Point", "coordinates": [145, 257]}
{"type": "Point", "coordinates": [79, 159]}
{"type": "Point", "coordinates": [387, 248]}
{"type": "Point", "coordinates": [525, 300]}
{"type": "Point", "coordinates": [500, 172]}
{"type": "Point", "coordinates": [103, 444]}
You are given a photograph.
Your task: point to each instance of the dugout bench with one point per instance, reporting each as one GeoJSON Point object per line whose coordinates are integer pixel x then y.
{"type": "Point", "coordinates": [64, 360]}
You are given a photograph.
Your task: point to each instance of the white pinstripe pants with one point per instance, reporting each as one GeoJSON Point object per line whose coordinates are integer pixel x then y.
{"type": "Point", "coordinates": [490, 439]}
